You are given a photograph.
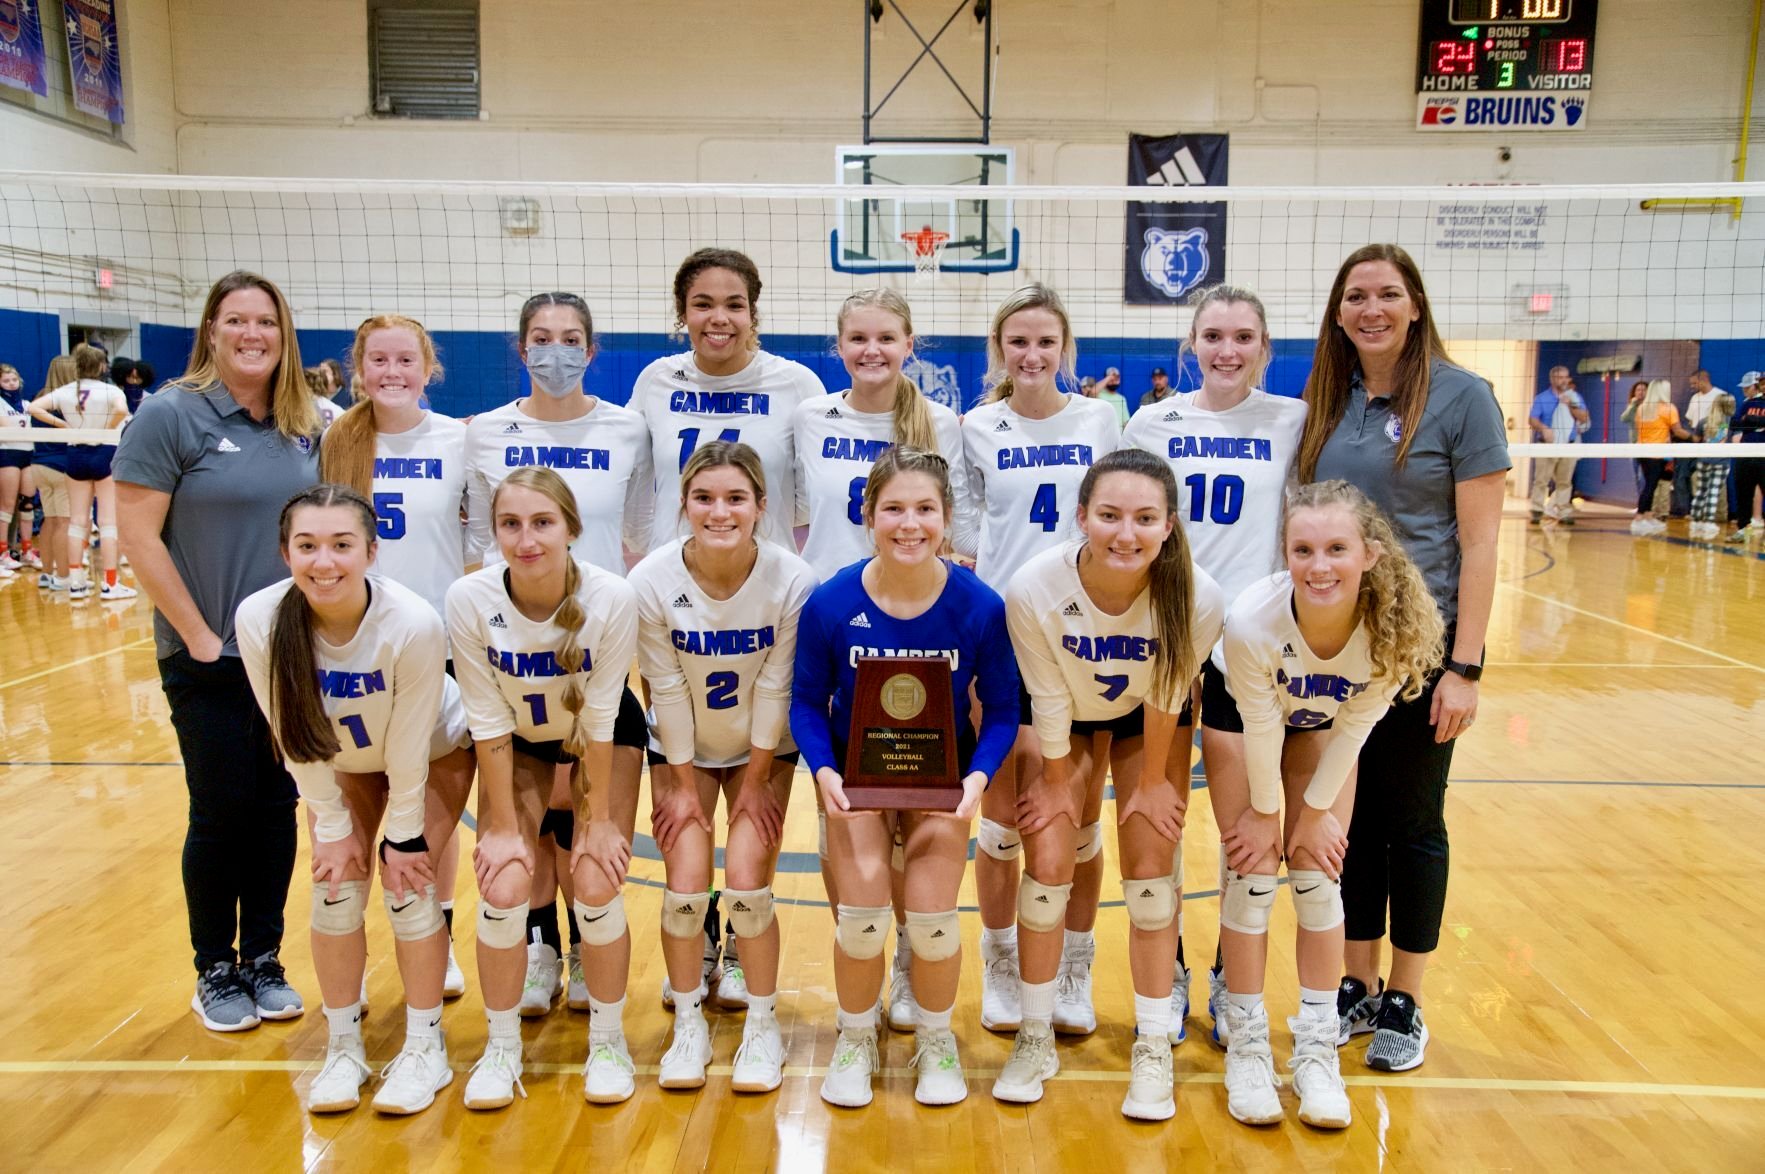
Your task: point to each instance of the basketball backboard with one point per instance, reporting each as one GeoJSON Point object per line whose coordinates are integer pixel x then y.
{"type": "Point", "coordinates": [870, 229]}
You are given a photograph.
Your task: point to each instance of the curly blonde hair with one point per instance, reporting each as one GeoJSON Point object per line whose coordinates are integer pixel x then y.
{"type": "Point", "coordinates": [1406, 638]}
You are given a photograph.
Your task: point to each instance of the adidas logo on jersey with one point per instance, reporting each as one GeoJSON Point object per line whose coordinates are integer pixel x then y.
{"type": "Point", "coordinates": [859, 621]}
{"type": "Point", "coordinates": [1073, 609]}
{"type": "Point", "coordinates": [513, 427]}
{"type": "Point", "coordinates": [1173, 414]}
{"type": "Point", "coordinates": [497, 621]}
{"type": "Point", "coordinates": [682, 601]}
{"type": "Point", "coordinates": [680, 373]}
{"type": "Point", "coordinates": [1287, 650]}
{"type": "Point", "coordinates": [832, 413]}
{"type": "Point", "coordinates": [1002, 426]}
{"type": "Point", "coordinates": [226, 446]}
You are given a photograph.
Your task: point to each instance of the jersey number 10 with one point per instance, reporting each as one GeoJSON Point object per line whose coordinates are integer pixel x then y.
{"type": "Point", "coordinates": [1222, 504]}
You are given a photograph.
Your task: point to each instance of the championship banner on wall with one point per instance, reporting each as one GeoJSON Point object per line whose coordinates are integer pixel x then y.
{"type": "Point", "coordinates": [1173, 248]}
{"type": "Point", "coordinates": [21, 48]}
{"type": "Point", "coordinates": [94, 57]}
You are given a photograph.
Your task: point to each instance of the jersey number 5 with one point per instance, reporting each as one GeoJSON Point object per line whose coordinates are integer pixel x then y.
{"type": "Point", "coordinates": [389, 509]}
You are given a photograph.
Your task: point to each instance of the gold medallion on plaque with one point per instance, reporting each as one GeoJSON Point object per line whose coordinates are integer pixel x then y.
{"type": "Point", "coordinates": [903, 697]}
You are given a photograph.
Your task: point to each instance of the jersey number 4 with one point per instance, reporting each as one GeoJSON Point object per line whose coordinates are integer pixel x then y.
{"type": "Point", "coordinates": [689, 440]}
{"type": "Point", "coordinates": [1221, 504]}
{"type": "Point", "coordinates": [1044, 508]}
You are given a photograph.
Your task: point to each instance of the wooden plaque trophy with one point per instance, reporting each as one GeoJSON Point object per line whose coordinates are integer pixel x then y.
{"type": "Point", "coordinates": [901, 753]}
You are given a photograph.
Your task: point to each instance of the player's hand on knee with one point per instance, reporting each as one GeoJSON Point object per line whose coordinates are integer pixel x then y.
{"type": "Point", "coordinates": [605, 849]}
{"type": "Point", "coordinates": [755, 802]}
{"type": "Point", "coordinates": [1318, 835]}
{"type": "Point", "coordinates": [333, 861]}
{"type": "Point", "coordinates": [1043, 802]}
{"type": "Point", "coordinates": [1250, 840]}
{"type": "Point", "coordinates": [676, 809]}
{"type": "Point", "coordinates": [974, 785]}
{"type": "Point", "coordinates": [497, 850]}
{"type": "Point", "coordinates": [833, 790]}
{"type": "Point", "coordinates": [1159, 804]}
{"type": "Point", "coordinates": [406, 872]}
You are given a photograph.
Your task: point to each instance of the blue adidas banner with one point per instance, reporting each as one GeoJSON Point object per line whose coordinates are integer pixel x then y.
{"type": "Point", "coordinates": [1172, 249]}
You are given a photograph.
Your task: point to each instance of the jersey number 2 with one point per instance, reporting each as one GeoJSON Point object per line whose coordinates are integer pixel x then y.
{"type": "Point", "coordinates": [720, 690]}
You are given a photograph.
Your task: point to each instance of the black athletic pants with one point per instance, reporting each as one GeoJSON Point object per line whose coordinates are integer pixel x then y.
{"type": "Point", "coordinates": [239, 849]}
{"type": "Point", "coordinates": [1397, 848]}
{"type": "Point", "coordinates": [1749, 477]}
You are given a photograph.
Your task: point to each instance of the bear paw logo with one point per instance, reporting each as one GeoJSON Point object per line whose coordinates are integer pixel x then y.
{"type": "Point", "coordinates": [1573, 109]}
{"type": "Point", "coordinates": [1175, 260]}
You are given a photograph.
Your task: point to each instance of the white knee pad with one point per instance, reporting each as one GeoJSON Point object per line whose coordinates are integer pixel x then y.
{"type": "Point", "coordinates": [416, 917]}
{"type": "Point", "coordinates": [935, 936]}
{"type": "Point", "coordinates": [1177, 863]}
{"type": "Point", "coordinates": [343, 914]}
{"type": "Point", "coordinates": [1317, 900]}
{"type": "Point", "coordinates": [1090, 842]}
{"type": "Point", "coordinates": [602, 925]}
{"type": "Point", "coordinates": [750, 911]}
{"type": "Point", "coordinates": [502, 929]}
{"type": "Point", "coordinates": [1245, 902]}
{"type": "Point", "coordinates": [862, 930]}
{"type": "Point", "coordinates": [1041, 907]}
{"type": "Point", "coordinates": [1152, 902]}
{"type": "Point", "coordinates": [998, 840]}
{"type": "Point", "coordinates": [683, 914]}
{"type": "Point", "coordinates": [821, 835]}
{"type": "Point", "coordinates": [107, 533]}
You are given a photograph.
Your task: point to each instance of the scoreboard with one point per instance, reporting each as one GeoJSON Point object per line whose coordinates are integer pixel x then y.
{"type": "Point", "coordinates": [1505, 65]}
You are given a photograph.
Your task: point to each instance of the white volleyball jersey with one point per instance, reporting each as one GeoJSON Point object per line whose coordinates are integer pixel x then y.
{"type": "Point", "coordinates": [1081, 664]}
{"type": "Point", "coordinates": [87, 403]}
{"type": "Point", "coordinates": [836, 449]}
{"type": "Point", "coordinates": [508, 667]}
{"type": "Point", "coordinates": [419, 493]}
{"type": "Point", "coordinates": [1232, 471]}
{"type": "Point", "coordinates": [604, 457]}
{"type": "Point", "coordinates": [684, 408]}
{"type": "Point", "coordinates": [1279, 684]}
{"type": "Point", "coordinates": [719, 669]}
{"type": "Point", "coordinates": [1024, 477]}
{"type": "Point", "coordinates": [390, 702]}
{"type": "Point", "coordinates": [11, 417]}
{"type": "Point", "coordinates": [328, 411]}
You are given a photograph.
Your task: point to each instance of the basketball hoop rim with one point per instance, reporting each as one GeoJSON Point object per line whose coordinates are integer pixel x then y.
{"type": "Point", "coordinates": [927, 245]}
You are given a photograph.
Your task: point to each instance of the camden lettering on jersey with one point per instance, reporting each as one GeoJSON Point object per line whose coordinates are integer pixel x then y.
{"type": "Point", "coordinates": [1038, 456]}
{"type": "Point", "coordinates": [724, 642]}
{"type": "Point", "coordinates": [529, 664]}
{"type": "Point", "coordinates": [846, 448]}
{"type": "Point", "coordinates": [337, 683]}
{"type": "Point", "coordinates": [1338, 689]}
{"type": "Point", "coordinates": [1100, 648]}
{"type": "Point", "coordinates": [1225, 448]}
{"type": "Point", "coordinates": [408, 468]}
{"type": "Point", "coordinates": [953, 655]}
{"type": "Point", "coordinates": [721, 403]}
{"type": "Point", "coordinates": [557, 456]}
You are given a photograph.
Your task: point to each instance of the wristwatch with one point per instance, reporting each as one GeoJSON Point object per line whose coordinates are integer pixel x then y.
{"type": "Point", "coordinates": [1471, 672]}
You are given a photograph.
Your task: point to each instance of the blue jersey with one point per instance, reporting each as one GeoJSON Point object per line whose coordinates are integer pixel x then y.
{"type": "Point", "coordinates": [841, 623]}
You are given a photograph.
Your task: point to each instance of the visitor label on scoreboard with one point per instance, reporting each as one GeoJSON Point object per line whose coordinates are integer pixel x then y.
{"type": "Point", "coordinates": [1508, 110]}
{"type": "Point", "coordinates": [1511, 65]}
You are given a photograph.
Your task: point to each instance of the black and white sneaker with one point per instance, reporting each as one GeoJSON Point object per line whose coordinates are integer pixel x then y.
{"type": "Point", "coordinates": [1400, 1038]}
{"type": "Point", "coordinates": [1356, 1009]}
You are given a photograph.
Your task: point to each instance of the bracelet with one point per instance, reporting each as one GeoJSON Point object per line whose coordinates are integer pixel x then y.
{"type": "Point", "coordinates": [412, 845]}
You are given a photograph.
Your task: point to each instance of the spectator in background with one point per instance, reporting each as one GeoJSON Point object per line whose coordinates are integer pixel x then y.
{"type": "Point", "coordinates": [1651, 410]}
{"type": "Point", "coordinates": [1109, 391]}
{"type": "Point", "coordinates": [1748, 427]}
{"type": "Point", "coordinates": [338, 390]}
{"type": "Point", "coordinates": [1559, 416]}
{"type": "Point", "coordinates": [1088, 387]}
{"type": "Point", "coordinates": [319, 384]}
{"type": "Point", "coordinates": [1161, 387]}
{"type": "Point", "coordinates": [1702, 397]}
{"type": "Point", "coordinates": [135, 377]}
{"type": "Point", "coordinates": [1709, 479]}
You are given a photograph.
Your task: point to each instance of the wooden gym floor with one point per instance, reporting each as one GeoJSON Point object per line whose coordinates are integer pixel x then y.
{"type": "Point", "coordinates": [1594, 1002]}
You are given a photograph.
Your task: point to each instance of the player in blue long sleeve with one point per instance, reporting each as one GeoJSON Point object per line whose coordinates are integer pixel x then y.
{"type": "Point", "coordinates": [904, 602]}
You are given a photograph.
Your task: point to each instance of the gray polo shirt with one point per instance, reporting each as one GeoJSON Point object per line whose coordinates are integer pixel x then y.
{"type": "Point", "coordinates": [1461, 435]}
{"type": "Point", "coordinates": [228, 477]}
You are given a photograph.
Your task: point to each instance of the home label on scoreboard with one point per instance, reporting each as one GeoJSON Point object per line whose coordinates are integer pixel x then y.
{"type": "Point", "coordinates": [1505, 65]}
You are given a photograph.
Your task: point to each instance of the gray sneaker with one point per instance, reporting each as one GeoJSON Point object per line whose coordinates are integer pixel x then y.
{"type": "Point", "coordinates": [222, 1000]}
{"type": "Point", "coordinates": [1400, 1037]}
{"type": "Point", "coordinates": [1356, 1008]}
{"type": "Point", "coordinates": [268, 984]}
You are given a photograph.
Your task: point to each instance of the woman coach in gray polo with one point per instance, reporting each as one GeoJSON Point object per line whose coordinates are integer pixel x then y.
{"type": "Point", "coordinates": [202, 474]}
{"type": "Point", "coordinates": [1424, 438]}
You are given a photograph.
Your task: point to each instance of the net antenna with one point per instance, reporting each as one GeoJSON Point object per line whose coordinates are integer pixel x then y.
{"type": "Point", "coordinates": [927, 246]}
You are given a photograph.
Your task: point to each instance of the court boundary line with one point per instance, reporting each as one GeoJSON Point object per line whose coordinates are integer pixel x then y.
{"type": "Point", "coordinates": [810, 1071]}
{"type": "Point", "coordinates": [1674, 640]}
{"type": "Point", "coordinates": [41, 673]}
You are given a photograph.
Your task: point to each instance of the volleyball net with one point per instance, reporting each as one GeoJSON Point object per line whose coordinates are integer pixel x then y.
{"type": "Point", "coordinates": [1619, 283]}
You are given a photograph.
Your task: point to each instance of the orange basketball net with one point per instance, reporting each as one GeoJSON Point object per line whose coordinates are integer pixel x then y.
{"type": "Point", "coordinates": [928, 249]}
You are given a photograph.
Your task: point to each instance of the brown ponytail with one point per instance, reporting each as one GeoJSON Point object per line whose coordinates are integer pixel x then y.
{"type": "Point", "coordinates": [1172, 585]}
{"type": "Point", "coordinates": [298, 719]}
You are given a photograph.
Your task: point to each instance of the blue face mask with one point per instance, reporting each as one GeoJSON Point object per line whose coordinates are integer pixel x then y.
{"type": "Point", "coordinates": [556, 368]}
